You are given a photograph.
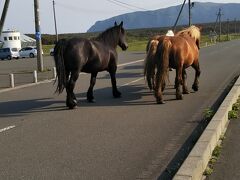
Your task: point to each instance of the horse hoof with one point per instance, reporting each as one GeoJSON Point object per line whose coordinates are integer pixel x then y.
{"type": "Point", "coordinates": [179, 97]}
{"type": "Point", "coordinates": [91, 101]}
{"type": "Point", "coordinates": [195, 88]}
{"type": "Point", "coordinates": [185, 92]}
{"type": "Point", "coordinates": [72, 106]}
{"type": "Point", "coordinates": [117, 95]}
{"type": "Point", "coordinates": [161, 102]}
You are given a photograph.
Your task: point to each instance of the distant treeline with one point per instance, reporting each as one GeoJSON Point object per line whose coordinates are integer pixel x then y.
{"type": "Point", "coordinates": [141, 34]}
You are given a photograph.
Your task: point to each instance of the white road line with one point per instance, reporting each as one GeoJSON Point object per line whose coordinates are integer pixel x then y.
{"type": "Point", "coordinates": [7, 128]}
{"type": "Point", "coordinates": [124, 64]}
{"type": "Point", "coordinates": [131, 82]}
{"type": "Point", "coordinates": [50, 80]}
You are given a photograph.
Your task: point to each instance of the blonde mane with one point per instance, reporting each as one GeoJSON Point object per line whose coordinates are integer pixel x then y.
{"type": "Point", "coordinates": [192, 31]}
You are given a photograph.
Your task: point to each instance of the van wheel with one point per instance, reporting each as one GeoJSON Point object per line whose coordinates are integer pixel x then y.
{"type": "Point", "coordinates": [9, 57]}
{"type": "Point", "coordinates": [31, 55]}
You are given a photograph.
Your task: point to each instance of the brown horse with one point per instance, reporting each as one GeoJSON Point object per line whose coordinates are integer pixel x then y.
{"type": "Point", "coordinates": [178, 52]}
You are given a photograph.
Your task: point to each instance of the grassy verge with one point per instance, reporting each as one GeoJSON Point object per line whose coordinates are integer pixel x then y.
{"type": "Point", "coordinates": [46, 49]}
{"type": "Point", "coordinates": [139, 44]}
{"type": "Point", "coordinates": [233, 114]}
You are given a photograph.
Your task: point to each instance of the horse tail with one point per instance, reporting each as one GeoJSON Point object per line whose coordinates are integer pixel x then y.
{"type": "Point", "coordinates": [149, 65]}
{"type": "Point", "coordinates": [60, 66]}
{"type": "Point", "coordinates": [163, 65]}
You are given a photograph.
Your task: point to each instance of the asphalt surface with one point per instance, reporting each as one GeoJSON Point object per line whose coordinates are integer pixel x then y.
{"type": "Point", "coordinates": [227, 165]}
{"type": "Point", "coordinates": [127, 138]}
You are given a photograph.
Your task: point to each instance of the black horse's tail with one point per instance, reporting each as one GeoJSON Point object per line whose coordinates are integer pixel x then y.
{"type": "Point", "coordinates": [59, 63]}
{"type": "Point", "coordinates": [149, 67]}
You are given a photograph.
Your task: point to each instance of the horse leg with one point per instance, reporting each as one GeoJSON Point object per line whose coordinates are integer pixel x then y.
{"type": "Point", "coordinates": [195, 85]}
{"type": "Point", "coordinates": [184, 77]}
{"type": "Point", "coordinates": [90, 96]}
{"type": "Point", "coordinates": [158, 88]}
{"type": "Point", "coordinates": [115, 91]}
{"type": "Point", "coordinates": [178, 82]}
{"type": "Point", "coordinates": [71, 101]}
{"type": "Point", "coordinates": [151, 80]}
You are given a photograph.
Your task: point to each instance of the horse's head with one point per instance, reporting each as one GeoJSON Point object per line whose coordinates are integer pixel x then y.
{"type": "Point", "coordinates": [122, 36]}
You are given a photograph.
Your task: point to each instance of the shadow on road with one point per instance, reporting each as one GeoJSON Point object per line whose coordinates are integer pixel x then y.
{"type": "Point", "coordinates": [132, 95]}
{"type": "Point", "coordinates": [122, 75]}
{"type": "Point", "coordinates": [20, 108]}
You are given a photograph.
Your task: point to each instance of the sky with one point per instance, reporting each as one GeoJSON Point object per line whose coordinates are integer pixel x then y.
{"type": "Point", "coordinates": [76, 16]}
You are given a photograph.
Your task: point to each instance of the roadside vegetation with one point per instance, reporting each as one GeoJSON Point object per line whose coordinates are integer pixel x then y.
{"type": "Point", "coordinates": [208, 113]}
{"type": "Point", "coordinates": [233, 114]}
{"type": "Point", "coordinates": [137, 38]}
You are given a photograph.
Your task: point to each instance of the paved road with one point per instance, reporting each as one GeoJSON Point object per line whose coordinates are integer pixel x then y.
{"type": "Point", "coordinates": [23, 68]}
{"type": "Point", "coordinates": [125, 138]}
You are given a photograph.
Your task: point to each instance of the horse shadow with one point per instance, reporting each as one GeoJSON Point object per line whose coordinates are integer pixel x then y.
{"type": "Point", "coordinates": [122, 75]}
{"type": "Point", "coordinates": [131, 95]}
{"type": "Point", "coordinates": [23, 107]}
{"type": "Point", "coordinates": [133, 67]}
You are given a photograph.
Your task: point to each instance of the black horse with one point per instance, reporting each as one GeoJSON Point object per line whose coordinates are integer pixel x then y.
{"type": "Point", "coordinates": [77, 55]}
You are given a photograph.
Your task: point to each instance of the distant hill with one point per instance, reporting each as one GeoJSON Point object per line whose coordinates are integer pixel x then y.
{"type": "Point", "coordinates": [201, 13]}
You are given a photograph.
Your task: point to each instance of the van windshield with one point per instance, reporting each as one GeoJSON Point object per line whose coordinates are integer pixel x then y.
{"type": "Point", "coordinates": [14, 49]}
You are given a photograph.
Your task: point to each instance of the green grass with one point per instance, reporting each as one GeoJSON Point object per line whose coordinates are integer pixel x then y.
{"type": "Point", "coordinates": [46, 49]}
{"type": "Point", "coordinates": [234, 113]}
{"type": "Point", "coordinates": [208, 113]}
{"type": "Point", "coordinates": [136, 43]}
{"type": "Point", "coordinates": [215, 155]}
{"type": "Point", "coordinates": [139, 45]}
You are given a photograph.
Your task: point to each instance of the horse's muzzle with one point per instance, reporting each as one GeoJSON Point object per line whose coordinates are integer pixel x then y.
{"type": "Point", "coordinates": [124, 47]}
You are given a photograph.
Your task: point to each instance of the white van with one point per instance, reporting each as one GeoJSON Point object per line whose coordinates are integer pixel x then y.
{"type": "Point", "coordinates": [9, 53]}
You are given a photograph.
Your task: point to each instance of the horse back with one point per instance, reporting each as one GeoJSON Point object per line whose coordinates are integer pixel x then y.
{"type": "Point", "coordinates": [100, 57]}
{"type": "Point", "coordinates": [184, 51]}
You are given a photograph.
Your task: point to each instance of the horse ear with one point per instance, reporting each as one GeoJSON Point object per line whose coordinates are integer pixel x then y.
{"type": "Point", "coordinates": [121, 24]}
{"type": "Point", "coordinates": [115, 23]}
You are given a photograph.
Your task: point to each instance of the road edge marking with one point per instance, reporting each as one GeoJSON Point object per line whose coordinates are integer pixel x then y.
{"type": "Point", "coordinates": [51, 80]}
{"type": "Point", "coordinates": [7, 128]}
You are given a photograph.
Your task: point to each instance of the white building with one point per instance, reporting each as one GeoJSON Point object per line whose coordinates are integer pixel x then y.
{"type": "Point", "coordinates": [13, 39]}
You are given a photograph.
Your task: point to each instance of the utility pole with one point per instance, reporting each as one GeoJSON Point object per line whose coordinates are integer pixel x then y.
{"type": "Point", "coordinates": [189, 13]}
{"type": "Point", "coordinates": [219, 14]}
{"type": "Point", "coordinates": [190, 6]}
{"type": "Point", "coordinates": [4, 13]}
{"type": "Point", "coordinates": [175, 24]}
{"type": "Point", "coordinates": [55, 22]}
{"type": "Point", "coordinates": [38, 36]}
{"type": "Point", "coordinates": [235, 25]}
{"type": "Point", "coordinates": [228, 29]}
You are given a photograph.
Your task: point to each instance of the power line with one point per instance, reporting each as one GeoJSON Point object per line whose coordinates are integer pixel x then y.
{"type": "Point", "coordinates": [130, 5]}
{"type": "Point", "coordinates": [119, 4]}
{"type": "Point", "coordinates": [79, 9]}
